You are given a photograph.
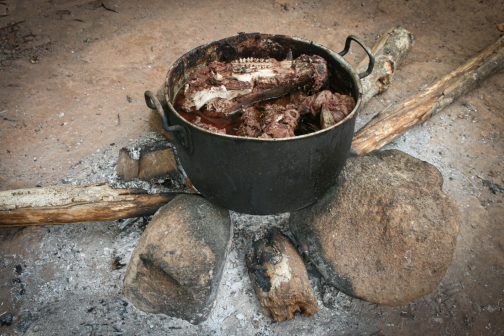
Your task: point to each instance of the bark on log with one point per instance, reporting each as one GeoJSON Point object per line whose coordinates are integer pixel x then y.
{"type": "Point", "coordinates": [390, 52]}
{"type": "Point", "coordinates": [72, 204]}
{"type": "Point", "coordinates": [280, 279]}
{"type": "Point", "coordinates": [400, 117]}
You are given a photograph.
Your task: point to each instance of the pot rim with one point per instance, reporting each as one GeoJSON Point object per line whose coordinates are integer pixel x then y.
{"type": "Point", "coordinates": [336, 56]}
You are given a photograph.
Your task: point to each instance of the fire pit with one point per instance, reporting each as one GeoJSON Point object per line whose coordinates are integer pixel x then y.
{"type": "Point", "coordinates": [256, 175]}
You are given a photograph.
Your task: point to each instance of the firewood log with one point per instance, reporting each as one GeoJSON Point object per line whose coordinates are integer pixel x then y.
{"type": "Point", "coordinates": [390, 52]}
{"type": "Point", "coordinates": [280, 279]}
{"type": "Point", "coordinates": [399, 117]}
{"type": "Point", "coordinates": [72, 204]}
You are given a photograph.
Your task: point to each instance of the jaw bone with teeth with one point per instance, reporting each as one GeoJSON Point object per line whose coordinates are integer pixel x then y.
{"type": "Point", "coordinates": [227, 88]}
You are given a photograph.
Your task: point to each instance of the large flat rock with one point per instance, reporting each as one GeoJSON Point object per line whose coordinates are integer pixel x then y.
{"type": "Point", "coordinates": [385, 233]}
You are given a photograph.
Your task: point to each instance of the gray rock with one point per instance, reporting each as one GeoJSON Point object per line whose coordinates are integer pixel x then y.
{"type": "Point", "coordinates": [178, 262]}
{"type": "Point", "coordinates": [385, 233]}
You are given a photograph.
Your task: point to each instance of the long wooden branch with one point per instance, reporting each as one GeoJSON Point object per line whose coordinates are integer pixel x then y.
{"type": "Point", "coordinates": [73, 204]}
{"type": "Point", "coordinates": [400, 117]}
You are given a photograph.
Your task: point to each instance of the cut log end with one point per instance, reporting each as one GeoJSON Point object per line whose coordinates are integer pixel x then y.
{"type": "Point", "coordinates": [280, 279]}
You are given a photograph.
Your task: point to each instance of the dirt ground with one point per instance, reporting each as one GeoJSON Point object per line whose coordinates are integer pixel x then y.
{"type": "Point", "coordinates": [72, 77]}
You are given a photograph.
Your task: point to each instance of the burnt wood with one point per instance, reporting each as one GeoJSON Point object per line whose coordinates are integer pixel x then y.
{"type": "Point", "coordinates": [280, 279]}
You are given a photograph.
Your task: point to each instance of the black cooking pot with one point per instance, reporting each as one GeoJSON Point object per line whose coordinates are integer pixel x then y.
{"type": "Point", "coordinates": [260, 176]}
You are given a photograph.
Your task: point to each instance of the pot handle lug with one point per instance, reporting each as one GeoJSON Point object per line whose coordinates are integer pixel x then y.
{"type": "Point", "coordinates": [351, 38]}
{"type": "Point", "coordinates": [153, 103]}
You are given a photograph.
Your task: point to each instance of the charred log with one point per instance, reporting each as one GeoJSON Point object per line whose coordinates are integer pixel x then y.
{"type": "Point", "coordinates": [279, 277]}
{"type": "Point", "coordinates": [399, 117]}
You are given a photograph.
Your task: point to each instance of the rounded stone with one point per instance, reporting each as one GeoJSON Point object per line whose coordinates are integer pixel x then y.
{"type": "Point", "coordinates": [178, 262]}
{"type": "Point", "coordinates": [385, 233]}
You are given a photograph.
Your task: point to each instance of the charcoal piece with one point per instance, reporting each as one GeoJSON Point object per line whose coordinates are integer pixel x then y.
{"type": "Point", "coordinates": [6, 319]}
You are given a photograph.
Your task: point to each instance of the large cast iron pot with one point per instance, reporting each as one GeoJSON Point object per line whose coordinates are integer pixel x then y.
{"type": "Point", "coordinates": [260, 176]}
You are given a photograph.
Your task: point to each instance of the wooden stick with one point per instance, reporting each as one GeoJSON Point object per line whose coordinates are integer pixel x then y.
{"type": "Point", "coordinates": [390, 52]}
{"type": "Point", "coordinates": [72, 204]}
{"type": "Point", "coordinates": [400, 117]}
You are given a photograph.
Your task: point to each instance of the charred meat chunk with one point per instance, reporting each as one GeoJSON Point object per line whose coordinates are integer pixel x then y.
{"type": "Point", "coordinates": [250, 125]}
{"type": "Point", "coordinates": [279, 121]}
{"type": "Point", "coordinates": [331, 107]}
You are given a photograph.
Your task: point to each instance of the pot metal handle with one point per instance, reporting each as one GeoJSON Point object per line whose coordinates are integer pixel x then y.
{"type": "Point", "coordinates": [153, 103]}
{"type": "Point", "coordinates": [351, 38]}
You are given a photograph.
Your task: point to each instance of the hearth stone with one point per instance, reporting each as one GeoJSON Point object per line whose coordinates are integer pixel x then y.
{"type": "Point", "coordinates": [177, 264]}
{"type": "Point", "coordinates": [385, 233]}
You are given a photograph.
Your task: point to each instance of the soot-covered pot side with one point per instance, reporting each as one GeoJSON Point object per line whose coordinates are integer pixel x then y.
{"type": "Point", "coordinates": [261, 176]}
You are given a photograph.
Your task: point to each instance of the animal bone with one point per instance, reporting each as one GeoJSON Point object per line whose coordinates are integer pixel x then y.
{"type": "Point", "coordinates": [202, 97]}
{"type": "Point", "coordinates": [247, 81]}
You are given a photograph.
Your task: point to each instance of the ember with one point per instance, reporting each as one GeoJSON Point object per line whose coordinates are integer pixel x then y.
{"type": "Point", "coordinates": [262, 97]}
